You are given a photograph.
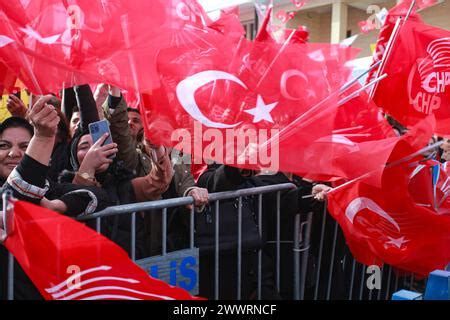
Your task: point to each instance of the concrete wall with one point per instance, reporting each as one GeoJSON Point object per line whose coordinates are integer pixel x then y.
{"type": "Point", "coordinates": [317, 24]}
{"type": "Point", "coordinates": [438, 16]}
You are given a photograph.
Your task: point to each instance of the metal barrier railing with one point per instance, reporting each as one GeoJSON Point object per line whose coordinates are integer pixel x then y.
{"type": "Point", "coordinates": [305, 252]}
{"type": "Point", "coordinates": [216, 198]}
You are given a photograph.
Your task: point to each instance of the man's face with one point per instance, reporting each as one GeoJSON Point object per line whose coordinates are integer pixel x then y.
{"type": "Point", "coordinates": [135, 123]}
{"type": "Point", "coordinates": [74, 121]}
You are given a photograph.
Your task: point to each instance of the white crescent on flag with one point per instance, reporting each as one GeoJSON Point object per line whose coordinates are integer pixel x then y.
{"type": "Point", "coordinates": [284, 79]}
{"type": "Point", "coordinates": [186, 95]}
{"type": "Point", "coordinates": [362, 203]}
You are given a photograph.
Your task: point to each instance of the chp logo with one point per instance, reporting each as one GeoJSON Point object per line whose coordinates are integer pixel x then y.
{"type": "Point", "coordinates": [429, 79]}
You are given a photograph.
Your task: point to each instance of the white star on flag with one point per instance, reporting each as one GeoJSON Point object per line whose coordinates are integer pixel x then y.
{"type": "Point", "coordinates": [397, 242]}
{"type": "Point", "coordinates": [262, 110]}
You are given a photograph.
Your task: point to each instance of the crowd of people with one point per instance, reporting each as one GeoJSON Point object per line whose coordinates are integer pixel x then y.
{"type": "Point", "coordinates": [49, 158]}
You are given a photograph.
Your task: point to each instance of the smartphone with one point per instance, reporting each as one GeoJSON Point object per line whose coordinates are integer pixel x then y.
{"type": "Point", "coordinates": [98, 129]}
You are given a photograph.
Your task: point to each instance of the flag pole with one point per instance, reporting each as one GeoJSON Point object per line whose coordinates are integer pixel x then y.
{"type": "Point", "coordinates": [411, 7]}
{"type": "Point", "coordinates": [435, 204]}
{"type": "Point", "coordinates": [398, 24]}
{"type": "Point", "coordinates": [7, 215]}
{"type": "Point", "coordinates": [6, 198]}
{"type": "Point", "coordinates": [341, 90]}
{"type": "Point", "coordinates": [126, 38]}
{"type": "Point", "coordinates": [355, 80]}
{"type": "Point", "coordinates": [356, 93]}
{"type": "Point", "coordinates": [313, 109]}
{"type": "Point", "coordinates": [342, 101]}
{"type": "Point", "coordinates": [386, 54]}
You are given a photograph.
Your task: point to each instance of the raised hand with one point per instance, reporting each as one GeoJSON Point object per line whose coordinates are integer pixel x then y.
{"type": "Point", "coordinates": [16, 106]}
{"type": "Point", "coordinates": [97, 158]}
{"type": "Point", "coordinates": [44, 118]}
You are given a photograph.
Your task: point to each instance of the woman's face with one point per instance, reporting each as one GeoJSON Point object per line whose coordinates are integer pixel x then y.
{"type": "Point", "coordinates": [13, 144]}
{"type": "Point", "coordinates": [83, 147]}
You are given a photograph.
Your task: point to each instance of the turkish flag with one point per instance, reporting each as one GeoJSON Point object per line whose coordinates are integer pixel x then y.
{"type": "Point", "coordinates": [418, 82]}
{"type": "Point", "coordinates": [68, 261]}
{"type": "Point", "coordinates": [56, 42]}
{"type": "Point", "coordinates": [384, 224]}
{"type": "Point", "coordinates": [230, 103]}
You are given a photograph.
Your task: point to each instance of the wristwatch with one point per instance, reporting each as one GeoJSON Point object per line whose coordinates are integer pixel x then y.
{"type": "Point", "coordinates": [87, 176]}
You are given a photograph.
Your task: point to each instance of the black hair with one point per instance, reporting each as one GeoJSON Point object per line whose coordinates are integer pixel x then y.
{"type": "Point", "coordinates": [134, 110]}
{"type": "Point", "coordinates": [16, 122]}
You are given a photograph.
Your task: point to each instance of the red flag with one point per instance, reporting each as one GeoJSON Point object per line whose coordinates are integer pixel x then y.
{"type": "Point", "coordinates": [429, 186]}
{"type": "Point", "coordinates": [366, 26]}
{"type": "Point", "coordinates": [299, 35]}
{"type": "Point", "coordinates": [420, 4]}
{"type": "Point", "coordinates": [55, 43]}
{"type": "Point", "coordinates": [384, 225]}
{"type": "Point", "coordinates": [265, 34]}
{"type": "Point", "coordinates": [7, 79]}
{"type": "Point", "coordinates": [216, 104]}
{"type": "Point", "coordinates": [359, 132]}
{"type": "Point", "coordinates": [418, 82]}
{"type": "Point", "coordinates": [229, 23]}
{"type": "Point", "coordinates": [400, 10]}
{"type": "Point", "coordinates": [68, 261]}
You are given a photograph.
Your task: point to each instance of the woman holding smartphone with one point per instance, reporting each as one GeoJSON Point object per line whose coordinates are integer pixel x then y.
{"type": "Point", "coordinates": [93, 165]}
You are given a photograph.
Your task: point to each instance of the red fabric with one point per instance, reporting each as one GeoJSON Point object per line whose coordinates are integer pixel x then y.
{"type": "Point", "coordinates": [384, 225]}
{"type": "Point", "coordinates": [359, 132]}
{"type": "Point", "coordinates": [400, 10]}
{"type": "Point", "coordinates": [299, 35]}
{"type": "Point", "coordinates": [362, 141]}
{"type": "Point", "coordinates": [50, 247]}
{"type": "Point", "coordinates": [229, 23]}
{"type": "Point", "coordinates": [428, 192]}
{"type": "Point", "coordinates": [111, 42]}
{"type": "Point", "coordinates": [225, 85]}
{"type": "Point", "coordinates": [7, 79]}
{"type": "Point", "coordinates": [263, 32]}
{"type": "Point", "coordinates": [418, 82]}
{"type": "Point", "coordinates": [420, 4]}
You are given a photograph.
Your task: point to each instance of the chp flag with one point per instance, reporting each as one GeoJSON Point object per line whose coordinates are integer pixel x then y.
{"type": "Point", "coordinates": [66, 260]}
{"type": "Point", "coordinates": [418, 82]}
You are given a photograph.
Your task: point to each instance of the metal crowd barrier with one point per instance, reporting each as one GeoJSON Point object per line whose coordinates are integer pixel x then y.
{"type": "Point", "coordinates": [316, 246]}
